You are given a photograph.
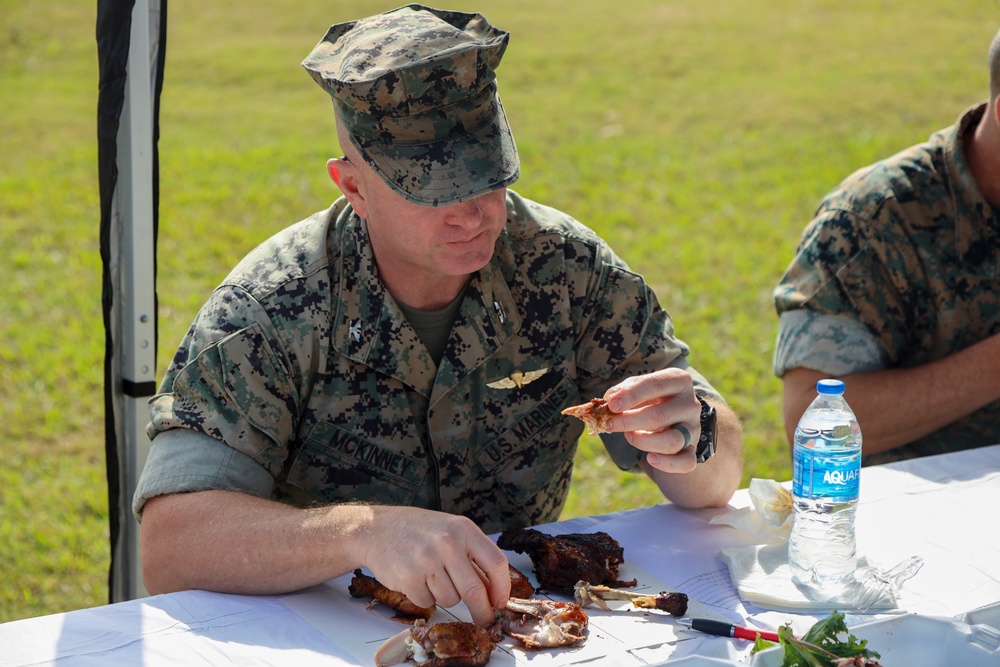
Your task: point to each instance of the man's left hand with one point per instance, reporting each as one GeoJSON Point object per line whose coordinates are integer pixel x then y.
{"type": "Point", "coordinates": [658, 414]}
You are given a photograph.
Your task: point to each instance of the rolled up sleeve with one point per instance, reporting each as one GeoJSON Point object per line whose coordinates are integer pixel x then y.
{"type": "Point", "coordinates": [182, 461]}
{"type": "Point", "coordinates": [832, 344]}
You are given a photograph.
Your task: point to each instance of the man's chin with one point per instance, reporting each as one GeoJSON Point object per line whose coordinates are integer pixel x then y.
{"type": "Point", "coordinates": [469, 263]}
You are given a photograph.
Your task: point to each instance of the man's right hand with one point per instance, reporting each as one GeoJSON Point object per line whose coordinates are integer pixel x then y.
{"type": "Point", "coordinates": [437, 558]}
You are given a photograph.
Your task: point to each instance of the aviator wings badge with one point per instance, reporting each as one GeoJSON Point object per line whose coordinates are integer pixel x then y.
{"type": "Point", "coordinates": [517, 379]}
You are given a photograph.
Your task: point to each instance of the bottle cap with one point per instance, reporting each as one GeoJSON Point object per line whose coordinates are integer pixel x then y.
{"type": "Point", "coordinates": [830, 387]}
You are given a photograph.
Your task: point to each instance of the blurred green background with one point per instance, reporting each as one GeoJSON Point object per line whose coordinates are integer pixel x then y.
{"type": "Point", "coordinates": [697, 137]}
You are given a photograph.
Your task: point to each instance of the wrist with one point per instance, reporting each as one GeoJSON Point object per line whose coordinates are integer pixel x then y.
{"type": "Point", "coordinates": [707, 439]}
{"type": "Point", "coordinates": [349, 533]}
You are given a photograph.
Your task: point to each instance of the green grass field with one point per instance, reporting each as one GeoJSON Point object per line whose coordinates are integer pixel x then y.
{"type": "Point", "coordinates": [697, 137]}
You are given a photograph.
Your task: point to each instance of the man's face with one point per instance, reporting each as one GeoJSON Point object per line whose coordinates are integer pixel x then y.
{"type": "Point", "coordinates": [424, 241]}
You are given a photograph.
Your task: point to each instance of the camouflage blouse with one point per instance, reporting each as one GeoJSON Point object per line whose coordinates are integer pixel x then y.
{"type": "Point", "coordinates": [302, 362]}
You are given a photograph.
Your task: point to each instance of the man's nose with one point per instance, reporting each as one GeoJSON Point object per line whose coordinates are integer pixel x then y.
{"type": "Point", "coordinates": [466, 214]}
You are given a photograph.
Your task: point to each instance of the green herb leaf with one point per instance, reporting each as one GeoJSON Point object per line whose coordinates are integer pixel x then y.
{"type": "Point", "coordinates": [760, 644]}
{"type": "Point", "coordinates": [822, 645]}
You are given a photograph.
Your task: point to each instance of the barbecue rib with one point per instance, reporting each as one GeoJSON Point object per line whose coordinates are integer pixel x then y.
{"type": "Point", "coordinates": [562, 560]}
{"type": "Point", "coordinates": [520, 587]}
{"type": "Point", "coordinates": [363, 586]}
{"type": "Point", "coordinates": [456, 644]}
{"type": "Point", "coordinates": [594, 414]}
{"type": "Point", "coordinates": [544, 623]}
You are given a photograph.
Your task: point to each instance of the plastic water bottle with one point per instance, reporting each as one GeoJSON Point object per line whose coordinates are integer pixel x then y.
{"type": "Point", "coordinates": [826, 470]}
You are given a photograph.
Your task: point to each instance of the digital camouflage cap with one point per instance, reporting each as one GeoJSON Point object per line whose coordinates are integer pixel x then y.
{"type": "Point", "coordinates": [416, 90]}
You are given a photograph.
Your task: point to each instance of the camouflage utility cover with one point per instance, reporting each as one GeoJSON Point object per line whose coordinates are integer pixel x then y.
{"type": "Point", "coordinates": [899, 267]}
{"type": "Point", "coordinates": [304, 363]}
{"type": "Point", "coordinates": [416, 90]}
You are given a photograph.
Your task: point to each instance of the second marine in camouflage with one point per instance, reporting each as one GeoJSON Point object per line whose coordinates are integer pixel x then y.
{"type": "Point", "coordinates": [896, 289]}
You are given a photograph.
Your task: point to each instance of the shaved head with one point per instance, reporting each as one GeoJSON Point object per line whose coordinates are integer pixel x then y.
{"type": "Point", "coordinates": [346, 145]}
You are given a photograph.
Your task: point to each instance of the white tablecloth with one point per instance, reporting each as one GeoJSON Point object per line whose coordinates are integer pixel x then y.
{"type": "Point", "coordinates": [942, 508]}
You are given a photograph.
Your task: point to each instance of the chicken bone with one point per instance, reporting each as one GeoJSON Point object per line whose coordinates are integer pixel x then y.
{"type": "Point", "coordinates": [674, 604]}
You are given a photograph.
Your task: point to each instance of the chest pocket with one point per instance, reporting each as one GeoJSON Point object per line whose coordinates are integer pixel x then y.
{"type": "Point", "coordinates": [531, 462]}
{"type": "Point", "coordinates": [334, 465]}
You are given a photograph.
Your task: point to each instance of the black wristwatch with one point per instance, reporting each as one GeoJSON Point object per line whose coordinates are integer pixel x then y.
{"type": "Point", "coordinates": [706, 441]}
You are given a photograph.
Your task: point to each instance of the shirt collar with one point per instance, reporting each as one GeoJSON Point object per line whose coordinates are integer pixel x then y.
{"type": "Point", "coordinates": [370, 328]}
{"type": "Point", "coordinates": [977, 229]}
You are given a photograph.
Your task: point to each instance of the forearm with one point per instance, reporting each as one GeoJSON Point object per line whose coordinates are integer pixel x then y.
{"type": "Point", "coordinates": [236, 543]}
{"type": "Point", "coordinates": [712, 483]}
{"type": "Point", "coordinates": [897, 406]}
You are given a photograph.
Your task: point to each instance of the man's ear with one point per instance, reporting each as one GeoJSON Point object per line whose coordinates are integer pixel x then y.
{"type": "Point", "coordinates": [346, 177]}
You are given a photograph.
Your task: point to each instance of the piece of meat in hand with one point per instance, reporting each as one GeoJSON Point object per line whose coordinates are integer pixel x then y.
{"type": "Point", "coordinates": [595, 414]}
{"type": "Point", "coordinates": [562, 560]}
{"type": "Point", "coordinates": [455, 644]}
{"type": "Point", "coordinates": [363, 586]}
{"type": "Point", "coordinates": [520, 587]}
{"type": "Point", "coordinates": [544, 623]}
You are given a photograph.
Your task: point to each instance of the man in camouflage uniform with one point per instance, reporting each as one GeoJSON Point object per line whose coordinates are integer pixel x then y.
{"type": "Point", "coordinates": [895, 288]}
{"type": "Point", "coordinates": [392, 370]}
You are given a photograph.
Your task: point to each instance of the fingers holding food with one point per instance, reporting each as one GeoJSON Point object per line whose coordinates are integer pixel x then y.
{"type": "Point", "coordinates": [364, 586]}
{"type": "Point", "coordinates": [595, 414]}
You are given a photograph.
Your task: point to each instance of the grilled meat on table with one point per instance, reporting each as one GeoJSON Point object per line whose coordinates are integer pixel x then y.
{"type": "Point", "coordinates": [562, 560]}
{"type": "Point", "coordinates": [544, 623]}
{"type": "Point", "coordinates": [363, 586]}
{"type": "Point", "coordinates": [456, 644]}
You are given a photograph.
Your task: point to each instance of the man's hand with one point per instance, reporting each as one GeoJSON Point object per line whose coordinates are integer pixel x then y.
{"type": "Point", "coordinates": [437, 558]}
{"type": "Point", "coordinates": [652, 407]}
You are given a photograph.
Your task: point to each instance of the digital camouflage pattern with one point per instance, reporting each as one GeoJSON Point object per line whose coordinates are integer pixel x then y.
{"type": "Point", "coordinates": [302, 361]}
{"type": "Point", "coordinates": [899, 267]}
{"type": "Point", "coordinates": [416, 90]}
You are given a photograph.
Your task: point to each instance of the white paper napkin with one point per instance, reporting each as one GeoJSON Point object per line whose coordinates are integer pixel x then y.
{"type": "Point", "coordinates": [761, 572]}
{"type": "Point", "coordinates": [763, 577]}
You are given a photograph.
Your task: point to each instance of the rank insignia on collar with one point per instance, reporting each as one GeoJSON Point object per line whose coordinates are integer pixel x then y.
{"type": "Point", "coordinates": [517, 379]}
{"type": "Point", "coordinates": [355, 331]}
{"type": "Point", "coordinates": [496, 304]}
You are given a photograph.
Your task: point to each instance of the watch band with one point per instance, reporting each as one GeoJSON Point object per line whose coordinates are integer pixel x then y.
{"type": "Point", "coordinates": [706, 441]}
